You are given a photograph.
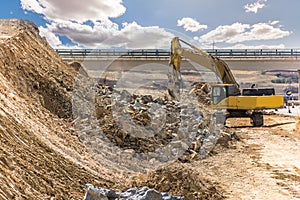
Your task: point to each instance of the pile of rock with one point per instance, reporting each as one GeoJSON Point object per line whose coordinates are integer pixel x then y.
{"type": "Point", "coordinates": [147, 128]}
{"type": "Point", "coordinates": [178, 179]}
{"type": "Point", "coordinates": [143, 193]}
{"type": "Point", "coordinates": [202, 92]}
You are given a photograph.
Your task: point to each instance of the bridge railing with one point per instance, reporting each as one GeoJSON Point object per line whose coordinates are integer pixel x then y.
{"type": "Point", "coordinates": [166, 52]}
{"type": "Point", "coordinates": [113, 53]}
{"type": "Point", "coordinates": [254, 52]}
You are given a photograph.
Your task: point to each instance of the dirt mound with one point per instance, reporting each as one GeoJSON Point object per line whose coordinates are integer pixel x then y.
{"type": "Point", "coordinates": [34, 68]}
{"type": "Point", "coordinates": [179, 180]}
{"type": "Point", "coordinates": [41, 156]}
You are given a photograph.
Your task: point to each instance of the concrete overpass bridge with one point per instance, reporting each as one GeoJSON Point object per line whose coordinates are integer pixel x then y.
{"type": "Point", "coordinates": [254, 59]}
{"type": "Point", "coordinates": [238, 59]}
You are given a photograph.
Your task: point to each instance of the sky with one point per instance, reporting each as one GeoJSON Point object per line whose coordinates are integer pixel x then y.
{"type": "Point", "coordinates": [208, 24]}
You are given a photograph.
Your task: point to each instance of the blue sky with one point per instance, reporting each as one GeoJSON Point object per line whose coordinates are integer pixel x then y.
{"type": "Point", "coordinates": [152, 24]}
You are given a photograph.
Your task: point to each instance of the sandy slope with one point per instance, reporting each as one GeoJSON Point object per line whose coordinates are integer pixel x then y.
{"type": "Point", "coordinates": [41, 156]}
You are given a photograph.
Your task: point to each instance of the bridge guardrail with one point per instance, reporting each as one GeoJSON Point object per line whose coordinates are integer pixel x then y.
{"type": "Point", "coordinates": [166, 53]}
{"type": "Point", "coordinates": [113, 53]}
{"type": "Point", "coordinates": [254, 52]}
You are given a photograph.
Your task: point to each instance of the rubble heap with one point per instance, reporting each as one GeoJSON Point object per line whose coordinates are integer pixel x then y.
{"type": "Point", "coordinates": [176, 178]}
{"type": "Point", "coordinates": [143, 128]}
{"type": "Point", "coordinates": [93, 193]}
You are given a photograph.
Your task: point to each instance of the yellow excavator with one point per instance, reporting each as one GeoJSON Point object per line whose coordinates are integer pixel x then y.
{"type": "Point", "coordinates": [227, 95]}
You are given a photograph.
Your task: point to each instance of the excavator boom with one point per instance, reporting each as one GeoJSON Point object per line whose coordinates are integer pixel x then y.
{"type": "Point", "coordinates": [202, 58]}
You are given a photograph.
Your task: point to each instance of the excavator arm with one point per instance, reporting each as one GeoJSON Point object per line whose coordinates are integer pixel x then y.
{"type": "Point", "coordinates": [219, 67]}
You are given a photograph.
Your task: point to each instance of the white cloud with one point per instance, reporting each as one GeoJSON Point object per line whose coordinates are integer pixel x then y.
{"type": "Point", "coordinates": [75, 10]}
{"type": "Point", "coordinates": [82, 34]}
{"type": "Point", "coordinates": [254, 7]}
{"type": "Point", "coordinates": [260, 31]}
{"type": "Point", "coordinates": [32, 5]}
{"type": "Point", "coordinates": [262, 46]}
{"type": "Point", "coordinates": [136, 36]}
{"type": "Point", "coordinates": [190, 24]}
{"type": "Point", "coordinates": [107, 34]}
{"type": "Point", "coordinates": [88, 24]}
{"type": "Point", "coordinates": [238, 32]}
{"type": "Point", "coordinates": [52, 39]}
{"type": "Point", "coordinates": [224, 33]}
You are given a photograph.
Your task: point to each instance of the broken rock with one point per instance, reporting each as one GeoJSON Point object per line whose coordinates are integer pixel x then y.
{"type": "Point", "coordinates": [143, 193]}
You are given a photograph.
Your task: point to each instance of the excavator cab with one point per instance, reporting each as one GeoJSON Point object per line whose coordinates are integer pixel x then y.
{"type": "Point", "coordinates": [222, 91]}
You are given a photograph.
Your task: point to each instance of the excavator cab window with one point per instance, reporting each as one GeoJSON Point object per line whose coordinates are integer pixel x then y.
{"type": "Point", "coordinates": [218, 94]}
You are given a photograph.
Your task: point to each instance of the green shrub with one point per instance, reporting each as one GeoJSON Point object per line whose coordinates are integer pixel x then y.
{"type": "Point", "coordinates": [263, 72]}
{"type": "Point", "coordinates": [282, 80]}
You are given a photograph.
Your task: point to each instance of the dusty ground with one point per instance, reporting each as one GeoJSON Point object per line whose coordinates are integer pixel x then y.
{"type": "Point", "coordinates": [263, 165]}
